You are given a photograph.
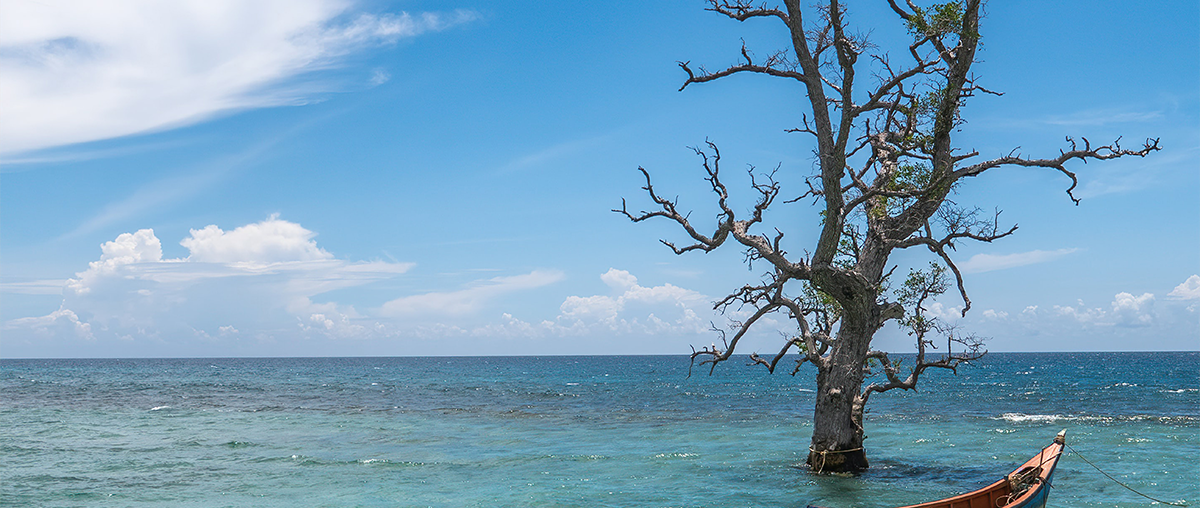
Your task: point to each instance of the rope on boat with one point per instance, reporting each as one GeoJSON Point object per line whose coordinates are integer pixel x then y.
{"type": "Point", "coordinates": [1131, 489]}
{"type": "Point", "coordinates": [823, 452]}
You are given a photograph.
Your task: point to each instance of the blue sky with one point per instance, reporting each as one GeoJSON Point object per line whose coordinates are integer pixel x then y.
{"type": "Point", "coordinates": [316, 177]}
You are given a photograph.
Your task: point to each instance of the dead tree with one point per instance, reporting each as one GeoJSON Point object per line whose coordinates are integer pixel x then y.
{"type": "Point", "coordinates": [886, 166]}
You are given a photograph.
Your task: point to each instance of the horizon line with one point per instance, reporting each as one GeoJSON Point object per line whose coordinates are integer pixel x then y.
{"type": "Point", "coordinates": [520, 356]}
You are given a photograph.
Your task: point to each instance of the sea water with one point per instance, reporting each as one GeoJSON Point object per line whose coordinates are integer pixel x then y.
{"type": "Point", "coordinates": [575, 431]}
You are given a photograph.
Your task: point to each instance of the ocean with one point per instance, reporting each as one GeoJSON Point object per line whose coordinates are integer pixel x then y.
{"type": "Point", "coordinates": [620, 431]}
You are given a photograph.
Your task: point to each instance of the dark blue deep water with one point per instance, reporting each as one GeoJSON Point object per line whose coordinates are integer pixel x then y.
{"type": "Point", "coordinates": [574, 431]}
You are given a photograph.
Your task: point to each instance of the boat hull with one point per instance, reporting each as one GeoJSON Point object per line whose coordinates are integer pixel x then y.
{"type": "Point", "coordinates": [1027, 486]}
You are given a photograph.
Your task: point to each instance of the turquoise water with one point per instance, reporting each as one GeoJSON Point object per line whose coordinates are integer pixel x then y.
{"type": "Point", "coordinates": [574, 431]}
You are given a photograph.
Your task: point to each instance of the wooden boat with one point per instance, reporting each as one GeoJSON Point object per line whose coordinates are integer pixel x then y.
{"type": "Point", "coordinates": [1026, 487]}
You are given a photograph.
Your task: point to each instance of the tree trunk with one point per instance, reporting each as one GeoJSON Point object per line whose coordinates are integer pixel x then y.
{"type": "Point", "coordinates": [837, 440]}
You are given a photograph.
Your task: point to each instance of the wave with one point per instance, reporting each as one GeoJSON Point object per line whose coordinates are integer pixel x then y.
{"type": "Point", "coordinates": [1039, 418]}
{"type": "Point", "coordinates": [1018, 417]}
{"type": "Point", "coordinates": [676, 455]}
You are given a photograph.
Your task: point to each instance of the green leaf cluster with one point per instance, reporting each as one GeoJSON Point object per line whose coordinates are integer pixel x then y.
{"type": "Point", "coordinates": [922, 284]}
{"type": "Point", "coordinates": [919, 286]}
{"type": "Point", "coordinates": [814, 298]}
{"type": "Point", "coordinates": [937, 20]}
{"type": "Point", "coordinates": [907, 177]}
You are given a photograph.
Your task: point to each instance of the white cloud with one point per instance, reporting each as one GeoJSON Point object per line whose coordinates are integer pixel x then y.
{"type": "Point", "coordinates": [1188, 290]}
{"type": "Point", "coordinates": [980, 263]}
{"type": "Point", "coordinates": [80, 71]}
{"type": "Point", "coordinates": [618, 279]}
{"type": "Point", "coordinates": [995, 314]}
{"type": "Point", "coordinates": [127, 249]}
{"type": "Point", "coordinates": [1081, 314]}
{"type": "Point", "coordinates": [947, 313]}
{"type": "Point", "coordinates": [60, 322]}
{"type": "Point", "coordinates": [269, 241]}
{"type": "Point", "coordinates": [1129, 310]}
{"type": "Point", "coordinates": [468, 300]}
{"type": "Point", "coordinates": [665, 309]}
{"type": "Point", "coordinates": [379, 77]}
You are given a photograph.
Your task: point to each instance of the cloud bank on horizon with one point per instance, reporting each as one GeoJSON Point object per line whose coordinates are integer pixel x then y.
{"type": "Point", "coordinates": [258, 282]}
{"type": "Point", "coordinates": [73, 72]}
{"type": "Point", "coordinates": [261, 283]}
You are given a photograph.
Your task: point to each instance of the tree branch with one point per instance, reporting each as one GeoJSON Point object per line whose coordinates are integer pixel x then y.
{"type": "Point", "coordinates": [1105, 152]}
{"type": "Point", "coordinates": [742, 10]}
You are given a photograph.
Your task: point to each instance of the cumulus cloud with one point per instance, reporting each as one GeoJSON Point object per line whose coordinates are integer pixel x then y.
{"type": "Point", "coordinates": [1129, 310]}
{"type": "Point", "coordinates": [127, 249]}
{"type": "Point", "coordinates": [57, 323]}
{"type": "Point", "coordinates": [995, 314]}
{"type": "Point", "coordinates": [618, 279]}
{"type": "Point", "coordinates": [947, 313]}
{"type": "Point", "coordinates": [80, 71]}
{"type": "Point", "coordinates": [636, 309]}
{"type": "Point", "coordinates": [980, 263]}
{"type": "Point", "coordinates": [269, 241]}
{"type": "Point", "coordinates": [1188, 290]}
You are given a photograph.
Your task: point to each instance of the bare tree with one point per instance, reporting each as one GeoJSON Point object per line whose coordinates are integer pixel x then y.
{"type": "Point", "coordinates": [886, 166]}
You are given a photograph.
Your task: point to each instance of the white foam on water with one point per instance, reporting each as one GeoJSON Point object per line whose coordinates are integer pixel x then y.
{"type": "Point", "coordinates": [1019, 417]}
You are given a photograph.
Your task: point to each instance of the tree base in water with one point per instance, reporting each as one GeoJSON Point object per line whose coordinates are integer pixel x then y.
{"type": "Point", "coordinates": [851, 461]}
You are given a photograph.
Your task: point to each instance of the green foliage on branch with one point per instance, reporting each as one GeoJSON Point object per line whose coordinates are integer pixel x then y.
{"type": "Point", "coordinates": [917, 288]}
{"type": "Point", "coordinates": [937, 20]}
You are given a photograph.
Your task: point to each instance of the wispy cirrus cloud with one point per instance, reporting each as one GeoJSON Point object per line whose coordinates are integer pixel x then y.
{"type": "Point", "coordinates": [181, 186]}
{"type": "Point", "coordinates": [1132, 174]}
{"type": "Point", "coordinates": [981, 263]}
{"type": "Point", "coordinates": [72, 72]}
{"type": "Point", "coordinates": [553, 153]}
{"type": "Point", "coordinates": [34, 287]}
{"type": "Point", "coordinates": [1096, 117]}
{"type": "Point", "coordinates": [466, 301]}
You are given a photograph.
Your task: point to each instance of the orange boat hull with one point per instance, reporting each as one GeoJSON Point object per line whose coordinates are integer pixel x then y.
{"type": "Point", "coordinates": [1026, 487]}
{"type": "Point", "coordinates": [1036, 475]}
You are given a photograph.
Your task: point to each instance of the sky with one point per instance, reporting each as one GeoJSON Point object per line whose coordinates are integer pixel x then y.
{"type": "Point", "coordinates": [206, 178]}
